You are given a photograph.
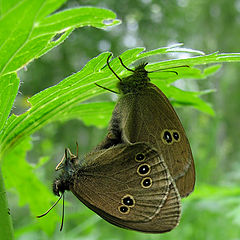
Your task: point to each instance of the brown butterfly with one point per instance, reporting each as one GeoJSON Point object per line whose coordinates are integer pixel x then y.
{"type": "Point", "coordinates": [144, 114]}
{"type": "Point", "coordinates": [127, 185]}
{"type": "Point", "coordinates": [129, 179]}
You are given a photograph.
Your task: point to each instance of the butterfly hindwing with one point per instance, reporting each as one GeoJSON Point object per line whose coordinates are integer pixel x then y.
{"type": "Point", "coordinates": [132, 186]}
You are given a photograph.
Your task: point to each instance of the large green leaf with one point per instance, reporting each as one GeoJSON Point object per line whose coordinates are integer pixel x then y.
{"type": "Point", "coordinates": [33, 33]}
{"type": "Point", "coordinates": [60, 99]}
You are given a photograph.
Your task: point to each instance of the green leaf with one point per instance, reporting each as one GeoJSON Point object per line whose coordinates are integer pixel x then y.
{"type": "Point", "coordinates": [213, 192]}
{"type": "Point", "coordinates": [77, 17]}
{"type": "Point", "coordinates": [212, 69]}
{"type": "Point", "coordinates": [182, 72]}
{"type": "Point", "coordinates": [19, 175]}
{"type": "Point", "coordinates": [41, 162]}
{"type": "Point", "coordinates": [179, 97]}
{"type": "Point", "coordinates": [14, 34]}
{"type": "Point", "coordinates": [172, 49]}
{"type": "Point", "coordinates": [51, 103]}
{"type": "Point", "coordinates": [49, 7]}
{"type": "Point", "coordinates": [199, 60]}
{"type": "Point", "coordinates": [8, 91]}
{"type": "Point", "coordinates": [102, 112]}
{"type": "Point", "coordinates": [33, 34]}
{"type": "Point", "coordinates": [57, 101]}
{"type": "Point", "coordinates": [7, 5]}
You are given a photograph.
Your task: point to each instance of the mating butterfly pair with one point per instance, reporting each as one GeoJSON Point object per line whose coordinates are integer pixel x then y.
{"type": "Point", "coordinates": [136, 176]}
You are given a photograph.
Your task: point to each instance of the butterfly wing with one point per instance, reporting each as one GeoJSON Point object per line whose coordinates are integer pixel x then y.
{"type": "Point", "coordinates": [127, 185]}
{"type": "Point", "coordinates": [149, 117]}
{"type": "Point", "coordinates": [168, 217]}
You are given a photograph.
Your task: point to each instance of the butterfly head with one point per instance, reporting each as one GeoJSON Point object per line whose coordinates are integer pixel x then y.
{"type": "Point", "coordinates": [68, 166]}
{"type": "Point", "coordinates": [136, 82]}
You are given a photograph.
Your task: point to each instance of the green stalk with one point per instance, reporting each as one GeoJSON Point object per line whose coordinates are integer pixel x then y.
{"type": "Point", "coordinates": [6, 228]}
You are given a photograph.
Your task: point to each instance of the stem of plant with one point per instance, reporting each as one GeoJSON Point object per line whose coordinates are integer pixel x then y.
{"type": "Point", "coordinates": [6, 227]}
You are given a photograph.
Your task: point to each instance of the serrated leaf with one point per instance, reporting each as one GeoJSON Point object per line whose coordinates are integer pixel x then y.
{"type": "Point", "coordinates": [76, 17]}
{"type": "Point", "coordinates": [198, 60]}
{"type": "Point", "coordinates": [32, 35]}
{"type": "Point", "coordinates": [182, 72]}
{"type": "Point", "coordinates": [185, 50]}
{"type": "Point", "coordinates": [58, 100]}
{"type": "Point", "coordinates": [176, 48]}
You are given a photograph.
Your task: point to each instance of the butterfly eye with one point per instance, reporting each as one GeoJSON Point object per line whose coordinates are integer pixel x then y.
{"type": "Point", "coordinates": [143, 169]}
{"type": "Point", "coordinates": [124, 209]}
{"type": "Point", "coordinates": [128, 200]}
{"type": "Point", "coordinates": [167, 137]}
{"type": "Point", "coordinates": [146, 182]}
{"type": "Point", "coordinates": [176, 136]}
{"type": "Point", "coordinates": [140, 157]}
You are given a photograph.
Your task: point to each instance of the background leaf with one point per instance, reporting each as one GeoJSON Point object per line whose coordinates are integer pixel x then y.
{"type": "Point", "coordinates": [19, 175]}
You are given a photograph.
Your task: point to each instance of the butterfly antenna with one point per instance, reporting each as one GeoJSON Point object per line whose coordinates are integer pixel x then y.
{"type": "Point", "coordinates": [61, 227]}
{"type": "Point", "coordinates": [50, 207]}
{"type": "Point", "coordinates": [172, 72]}
{"type": "Point", "coordinates": [106, 88]}
{"type": "Point", "coordinates": [129, 69]}
{"type": "Point", "coordinates": [112, 69]}
{"type": "Point", "coordinates": [169, 68]}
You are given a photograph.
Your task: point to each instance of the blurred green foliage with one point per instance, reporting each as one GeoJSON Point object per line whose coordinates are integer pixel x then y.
{"type": "Point", "coordinates": [212, 211]}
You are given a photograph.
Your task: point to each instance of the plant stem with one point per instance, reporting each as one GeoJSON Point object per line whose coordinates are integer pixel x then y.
{"type": "Point", "coordinates": [6, 228]}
